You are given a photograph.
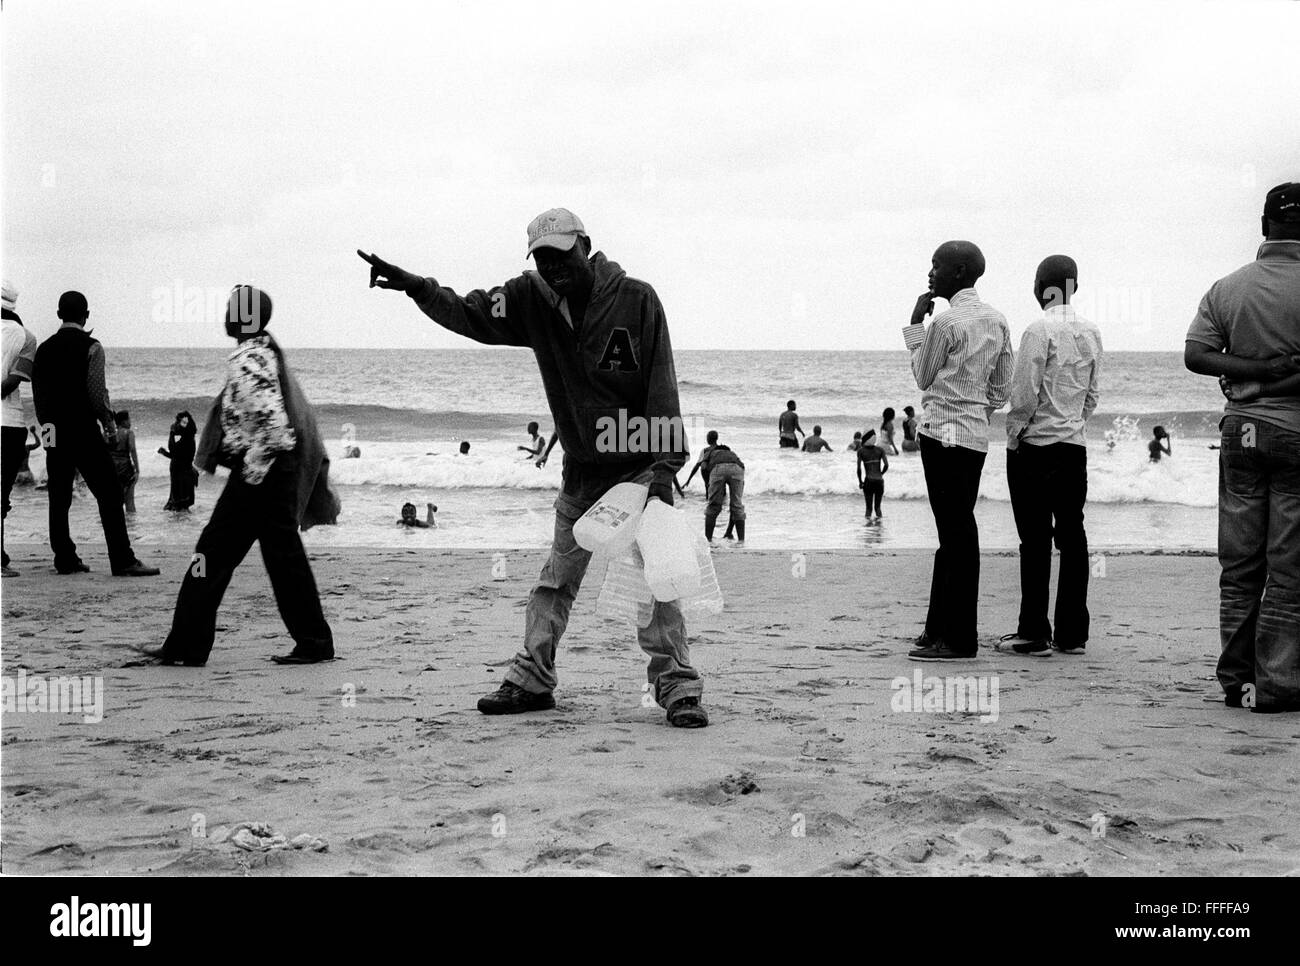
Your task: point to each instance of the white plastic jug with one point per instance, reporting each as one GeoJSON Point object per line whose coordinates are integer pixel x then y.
{"type": "Point", "coordinates": [610, 525]}
{"type": "Point", "coordinates": [667, 543]}
{"type": "Point", "coordinates": [707, 600]}
{"type": "Point", "coordinates": [624, 595]}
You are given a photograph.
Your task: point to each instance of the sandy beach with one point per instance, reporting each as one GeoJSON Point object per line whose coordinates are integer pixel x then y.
{"type": "Point", "coordinates": [1114, 763]}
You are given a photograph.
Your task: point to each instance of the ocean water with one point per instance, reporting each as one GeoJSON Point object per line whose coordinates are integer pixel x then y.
{"type": "Point", "coordinates": [408, 411]}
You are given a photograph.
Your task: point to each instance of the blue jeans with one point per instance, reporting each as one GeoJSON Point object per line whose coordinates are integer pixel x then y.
{"type": "Point", "coordinates": [664, 639]}
{"type": "Point", "coordinates": [1259, 551]}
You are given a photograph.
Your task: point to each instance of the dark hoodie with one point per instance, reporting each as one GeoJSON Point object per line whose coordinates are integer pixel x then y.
{"type": "Point", "coordinates": [588, 373]}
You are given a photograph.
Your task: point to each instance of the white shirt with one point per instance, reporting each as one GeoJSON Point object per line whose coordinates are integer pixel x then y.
{"type": "Point", "coordinates": [17, 356]}
{"type": "Point", "coordinates": [963, 368]}
{"type": "Point", "coordinates": [1054, 385]}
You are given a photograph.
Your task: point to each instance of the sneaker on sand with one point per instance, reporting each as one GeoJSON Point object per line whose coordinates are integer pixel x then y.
{"type": "Point", "coordinates": [512, 699]}
{"type": "Point", "coordinates": [1024, 646]}
{"type": "Point", "coordinates": [1069, 648]}
{"type": "Point", "coordinates": [8, 571]}
{"type": "Point", "coordinates": [938, 652]}
{"type": "Point", "coordinates": [687, 713]}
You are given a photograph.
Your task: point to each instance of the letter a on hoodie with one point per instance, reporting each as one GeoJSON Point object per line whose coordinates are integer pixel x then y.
{"type": "Point", "coordinates": [618, 353]}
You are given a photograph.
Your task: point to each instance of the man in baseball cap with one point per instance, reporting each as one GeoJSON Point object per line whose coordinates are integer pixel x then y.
{"type": "Point", "coordinates": [601, 342]}
{"type": "Point", "coordinates": [558, 228]}
{"type": "Point", "coordinates": [1282, 205]}
{"type": "Point", "coordinates": [1247, 332]}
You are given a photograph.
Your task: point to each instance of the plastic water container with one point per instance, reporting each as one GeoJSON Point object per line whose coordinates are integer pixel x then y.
{"type": "Point", "coordinates": [624, 595]}
{"type": "Point", "coordinates": [708, 599]}
{"type": "Point", "coordinates": [667, 543]}
{"type": "Point", "coordinates": [611, 523]}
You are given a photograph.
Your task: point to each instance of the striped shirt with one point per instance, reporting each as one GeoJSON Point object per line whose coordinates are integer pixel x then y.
{"type": "Point", "coordinates": [1054, 386]}
{"type": "Point", "coordinates": [963, 369]}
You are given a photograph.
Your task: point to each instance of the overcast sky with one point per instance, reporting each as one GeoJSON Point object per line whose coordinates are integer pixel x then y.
{"type": "Point", "coordinates": [780, 173]}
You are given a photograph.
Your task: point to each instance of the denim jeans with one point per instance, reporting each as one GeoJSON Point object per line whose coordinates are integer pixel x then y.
{"type": "Point", "coordinates": [664, 638]}
{"type": "Point", "coordinates": [724, 477]}
{"type": "Point", "coordinates": [1259, 552]}
{"type": "Point", "coordinates": [1049, 485]}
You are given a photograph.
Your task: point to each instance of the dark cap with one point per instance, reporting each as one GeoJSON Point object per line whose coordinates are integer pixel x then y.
{"type": "Point", "coordinates": [1282, 204]}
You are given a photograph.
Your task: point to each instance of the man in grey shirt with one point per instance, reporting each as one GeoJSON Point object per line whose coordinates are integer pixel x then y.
{"type": "Point", "coordinates": [1247, 332]}
{"type": "Point", "coordinates": [1053, 392]}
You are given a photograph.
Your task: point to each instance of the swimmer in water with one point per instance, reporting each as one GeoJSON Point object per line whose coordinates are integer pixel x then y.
{"type": "Point", "coordinates": [536, 443]}
{"type": "Point", "coordinates": [409, 519]}
{"type": "Point", "coordinates": [1155, 447]}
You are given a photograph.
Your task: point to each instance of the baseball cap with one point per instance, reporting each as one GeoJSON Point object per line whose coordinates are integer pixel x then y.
{"type": "Point", "coordinates": [1282, 204]}
{"type": "Point", "coordinates": [556, 228]}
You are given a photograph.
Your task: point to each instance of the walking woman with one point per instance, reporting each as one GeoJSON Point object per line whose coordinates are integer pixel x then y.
{"type": "Point", "coordinates": [180, 450]}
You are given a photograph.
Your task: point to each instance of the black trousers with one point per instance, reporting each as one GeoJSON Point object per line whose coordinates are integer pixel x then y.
{"type": "Point", "coordinates": [246, 514]}
{"type": "Point", "coordinates": [13, 447]}
{"type": "Point", "coordinates": [1049, 485]}
{"type": "Point", "coordinates": [86, 451]}
{"type": "Point", "coordinates": [952, 479]}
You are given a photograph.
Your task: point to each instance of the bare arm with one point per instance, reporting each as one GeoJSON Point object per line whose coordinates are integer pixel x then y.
{"type": "Point", "coordinates": [541, 460]}
{"type": "Point", "coordinates": [1205, 360]}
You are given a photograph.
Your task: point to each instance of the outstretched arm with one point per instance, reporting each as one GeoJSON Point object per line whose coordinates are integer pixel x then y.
{"type": "Point", "coordinates": [491, 317]}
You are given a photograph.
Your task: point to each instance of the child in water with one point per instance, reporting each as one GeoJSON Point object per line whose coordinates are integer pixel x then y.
{"type": "Point", "coordinates": [1155, 448]}
{"type": "Point", "coordinates": [536, 443]}
{"type": "Point", "coordinates": [409, 519]}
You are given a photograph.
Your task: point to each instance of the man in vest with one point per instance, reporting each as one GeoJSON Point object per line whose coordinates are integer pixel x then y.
{"type": "Point", "coordinates": [601, 343]}
{"type": "Point", "coordinates": [72, 405]}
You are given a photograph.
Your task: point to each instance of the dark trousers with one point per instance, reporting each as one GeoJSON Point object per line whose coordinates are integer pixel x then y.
{"type": "Point", "coordinates": [1259, 551]}
{"type": "Point", "coordinates": [1049, 485]}
{"type": "Point", "coordinates": [244, 514]}
{"type": "Point", "coordinates": [952, 480]}
{"type": "Point", "coordinates": [87, 452]}
{"type": "Point", "coordinates": [13, 447]}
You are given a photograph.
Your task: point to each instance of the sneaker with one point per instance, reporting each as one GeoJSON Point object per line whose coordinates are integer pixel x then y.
{"type": "Point", "coordinates": [1024, 646]}
{"type": "Point", "coordinates": [512, 699]}
{"type": "Point", "coordinates": [687, 713]}
{"type": "Point", "coordinates": [303, 657]}
{"type": "Point", "coordinates": [938, 652]}
{"type": "Point", "coordinates": [8, 571]}
{"type": "Point", "coordinates": [136, 569]}
{"type": "Point", "coordinates": [76, 567]}
{"type": "Point", "coordinates": [1068, 648]}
